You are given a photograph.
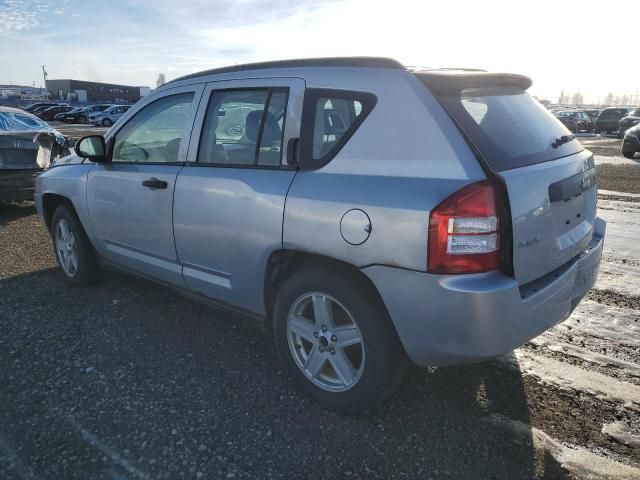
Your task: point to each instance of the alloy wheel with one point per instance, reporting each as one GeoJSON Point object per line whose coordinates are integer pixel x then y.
{"type": "Point", "coordinates": [325, 342]}
{"type": "Point", "coordinates": [66, 248]}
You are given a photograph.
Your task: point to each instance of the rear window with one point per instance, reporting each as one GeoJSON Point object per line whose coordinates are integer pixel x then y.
{"type": "Point", "coordinates": [508, 126]}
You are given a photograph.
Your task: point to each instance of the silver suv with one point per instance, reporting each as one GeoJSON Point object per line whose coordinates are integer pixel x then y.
{"type": "Point", "coordinates": [363, 212]}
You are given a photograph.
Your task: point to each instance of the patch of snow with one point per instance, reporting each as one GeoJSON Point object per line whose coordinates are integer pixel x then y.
{"type": "Point", "coordinates": [623, 279]}
{"type": "Point", "coordinates": [617, 194]}
{"type": "Point", "coordinates": [577, 460]}
{"type": "Point", "coordinates": [569, 377]}
{"type": "Point", "coordinates": [600, 159]}
{"type": "Point", "coordinates": [623, 228]}
{"type": "Point", "coordinates": [630, 368]}
{"type": "Point", "coordinates": [622, 433]}
{"type": "Point", "coordinates": [618, 325]}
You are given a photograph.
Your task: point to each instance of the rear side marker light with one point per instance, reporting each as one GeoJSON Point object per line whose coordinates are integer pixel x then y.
{"type": "Point", "coordinates": [463, 232]}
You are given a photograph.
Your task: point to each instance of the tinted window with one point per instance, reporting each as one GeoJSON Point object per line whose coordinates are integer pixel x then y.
{"type": "Point", "coordinates": [238, 121]}
{"type": "Point", "coordinates": [154, 134]}
{"type": "Point", "coordinates": [330, 118]}
{"type": "Point", "coordinates": [510, 128]}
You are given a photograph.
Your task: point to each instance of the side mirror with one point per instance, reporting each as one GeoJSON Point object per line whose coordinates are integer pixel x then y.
{"type": "Point", "coordinates": [93, 148]}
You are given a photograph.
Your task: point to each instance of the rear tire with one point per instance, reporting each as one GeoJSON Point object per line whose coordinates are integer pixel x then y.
{"type": "Point", "coordinates": [375, 365]}
{"type": "Point", "coordinates": [73, 250]}
{"type": "Point", "coordinates": [629, 154]}
{"type": "Point", "coordinates": [107, 122]}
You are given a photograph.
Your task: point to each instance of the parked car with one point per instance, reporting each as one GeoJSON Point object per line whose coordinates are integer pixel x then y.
{"type": "Point", "coordinates": [609, 117]}
{"type": "Point", "coordinates": [109, 116]}
{"type": "Point", "coordinates": [49, 114]}
{"type": "Point", "coordinates": [363, 212]}
{"type": "Point", "coordinates": [68, 116]}
{"type": "Point", "coordinates": [27, 145]}
{"type": "Point", "coordinates": [82, 115]}
{"type": "Point", "coordinates": [575, 120]}
{"type": "Point", "coordinates": [33, 106]}
{"type": "Point", "coordinates": [593, 114]}
{"type": "Point", "coordinates": [631, 142]}
{"type": "Point", "coordinates": [628, 121]}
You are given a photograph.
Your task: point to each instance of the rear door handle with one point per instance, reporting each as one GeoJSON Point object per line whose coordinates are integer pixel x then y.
{"type": "Point", "coordinates": [154, 183]}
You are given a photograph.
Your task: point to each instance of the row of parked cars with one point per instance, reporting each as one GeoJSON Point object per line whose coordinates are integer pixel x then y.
{"type": "Point", "coordinates": [608, 120]}
{"type": "Point", "coordinates": [103, 115]}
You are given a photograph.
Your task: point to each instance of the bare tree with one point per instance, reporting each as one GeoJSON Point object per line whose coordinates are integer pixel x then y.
{"type": "Point", "coordinates": [609, 99]}
{"type": "Point", "coordinates": [563, 99]}
{"type": "Point", "coordinates": [577, 99]}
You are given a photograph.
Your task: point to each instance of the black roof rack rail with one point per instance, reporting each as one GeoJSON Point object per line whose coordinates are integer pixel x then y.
{"type": "Point", "coordinates": [371, 62]}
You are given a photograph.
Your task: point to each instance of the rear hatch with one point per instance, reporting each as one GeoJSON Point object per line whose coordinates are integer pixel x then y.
{"type": "Point", "coordinates": [549, 178]}
{"type": "Point", "coordinates": [18, 151]}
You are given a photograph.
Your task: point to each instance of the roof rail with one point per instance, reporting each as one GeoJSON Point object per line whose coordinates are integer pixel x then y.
{"type": "Point", "coordinates": [445, 69]}
{"type": "Point", "coordinates": [371, 62]}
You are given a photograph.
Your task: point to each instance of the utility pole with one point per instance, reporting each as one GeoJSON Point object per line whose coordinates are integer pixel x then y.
{"type": "Point", "coordinates": [44, 76]}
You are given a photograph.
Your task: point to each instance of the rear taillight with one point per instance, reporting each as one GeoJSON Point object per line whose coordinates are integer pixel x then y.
{"type": "Point", "coordinates": [463, 232]}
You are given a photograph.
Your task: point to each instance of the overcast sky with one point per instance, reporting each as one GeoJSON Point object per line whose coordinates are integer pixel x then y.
{"type": "Point", "coordinates": [582, 45]}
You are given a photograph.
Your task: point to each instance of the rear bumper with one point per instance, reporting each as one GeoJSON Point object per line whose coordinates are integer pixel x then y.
{"type": "Point", "coordinates": [450, 319]}
{"type": "Point", "coordinates": [16, 186]}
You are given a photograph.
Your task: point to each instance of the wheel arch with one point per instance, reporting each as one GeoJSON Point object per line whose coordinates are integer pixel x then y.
{"type": "Point", "coordinates": [282, 263]}
{"type": "Point", "coordinates": [51, 201]}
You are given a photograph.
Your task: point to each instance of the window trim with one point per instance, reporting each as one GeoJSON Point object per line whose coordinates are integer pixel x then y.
{"type": "Point", "coordinates": [368, 101]}
{"type": "Point", "coordinates": [186, 134]}
{"type": "Point", "coordinates": [270, 90]}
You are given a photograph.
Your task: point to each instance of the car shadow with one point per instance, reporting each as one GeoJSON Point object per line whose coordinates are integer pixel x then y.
{"type": "Point", "coordinates": [127, 376]}
{"type": "Point", "coordinates": [10, 211]}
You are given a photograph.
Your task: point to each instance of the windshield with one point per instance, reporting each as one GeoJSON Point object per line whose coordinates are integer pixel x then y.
{"type": "Point", "coordinates": [509, 127]}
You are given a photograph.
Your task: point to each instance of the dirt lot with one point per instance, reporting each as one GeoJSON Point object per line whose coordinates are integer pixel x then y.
{"type": "Point", "coordinates": [127, 380]}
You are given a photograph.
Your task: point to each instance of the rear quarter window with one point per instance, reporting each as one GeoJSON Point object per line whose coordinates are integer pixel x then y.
{"type": "Point", "coordinates": [329, 119]}
{"type": "Point", "coordinates": [508, 126]}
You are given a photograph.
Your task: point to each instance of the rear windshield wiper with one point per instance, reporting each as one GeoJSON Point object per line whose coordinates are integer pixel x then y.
{"type": "Point", "coordinates": [562, 140]}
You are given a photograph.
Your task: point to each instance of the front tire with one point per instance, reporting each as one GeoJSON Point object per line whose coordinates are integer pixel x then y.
{"type": "Point", "coordinates": [334, 336]}
{"type": "Point", "coordinates": [629, 154]}
{"type": "Point", "coordinates": [107, 122]}
{"type": "Point", "coordinates": [72, 248]}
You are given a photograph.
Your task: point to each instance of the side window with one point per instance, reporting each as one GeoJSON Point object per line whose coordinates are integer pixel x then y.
{"type": "Point", "coordinates": [330, 118]}
{"type": "Point", "coordinates": [244, 127]}
{"type": "Point", "coordinates": [154, 134]}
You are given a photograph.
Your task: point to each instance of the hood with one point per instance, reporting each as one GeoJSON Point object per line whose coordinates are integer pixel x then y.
{"type": "Point", "coordinates": [629, 119]}
{"type": "Point", "coordinates": [72, 159]}
{"type": "Point", "coordinates": [634, 130]}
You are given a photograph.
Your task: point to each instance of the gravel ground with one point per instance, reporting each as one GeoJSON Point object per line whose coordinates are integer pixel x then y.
{"type": "Point", "coordinates": [128, 380]}
{"type": "Point", "coordinates": [621, 178]}
{"type": "Point", "coordinates": [608, 145]}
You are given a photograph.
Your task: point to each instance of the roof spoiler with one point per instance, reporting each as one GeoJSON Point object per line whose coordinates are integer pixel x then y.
{"type": "Point", "coordinates": [443, 82]}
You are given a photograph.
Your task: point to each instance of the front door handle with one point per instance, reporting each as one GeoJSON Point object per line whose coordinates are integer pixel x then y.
{"type": "Point", "coordinates": [154, 183]}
